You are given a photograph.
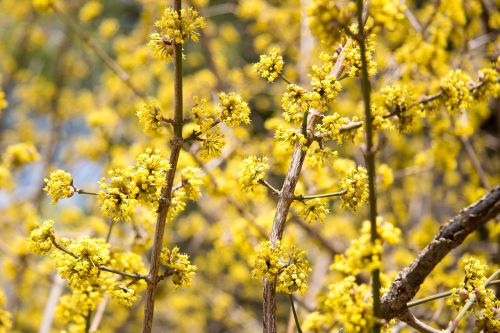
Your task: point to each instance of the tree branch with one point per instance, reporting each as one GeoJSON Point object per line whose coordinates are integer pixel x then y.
{"type": "Point", "coordinates": [450, 236]}
{"type": "Point", "coordinates": [166, 193]}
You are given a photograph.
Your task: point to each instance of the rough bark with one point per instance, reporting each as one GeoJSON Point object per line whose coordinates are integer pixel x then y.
{"type": "Point", "coordinates": [450, 236]}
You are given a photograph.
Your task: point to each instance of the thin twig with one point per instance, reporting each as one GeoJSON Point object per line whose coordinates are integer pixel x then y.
{"type": "Point", "coordinates": [271, 188]}
{"type": "Point", "coordinates": [316, 196]}
{"type": "Point", "coordinates": [80, 191]}
{"type": "Point", "coordinates": [440, 295]}
{"type": "Point", "coordinates": [297, 322]}
{"type": "Point", "coordinates": [72, 23]}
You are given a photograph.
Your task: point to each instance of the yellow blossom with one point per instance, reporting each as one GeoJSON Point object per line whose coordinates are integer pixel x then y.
{"type": "Point", "coordinates": [288, 265]}
{"type": "Point", "coordinates": [150, 118]}
{"type": "Point", "coordinates": [20, 154]}
{"type": "Point", "coordinates": [234, 110]}
{"type": "Point", "coordinates": [43, 5]}
{"type": "Point", "coordinates": [179, 266]}
{"type": "Point", "coordinates": [456, 89]}
{"type": "Point", "coordinates": [356, 186]}
{"type": "Point", "coordinates": [40, 239]}
{"type": "Point", "coordinates": [312, 211]}
{"type": "Point", "coordinates": [59, 185]}
{"type": "Point", "coordinates": [252, 173]}
{"type": "Point", "coordinates": [270, 65]}
{"type": "Point", "coordinates": [191, 182]}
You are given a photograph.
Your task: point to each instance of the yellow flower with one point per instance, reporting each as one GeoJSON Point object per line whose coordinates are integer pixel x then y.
{"type": "Point", "coordinates": [327, 17]}
{"type": "Point", "coordinates": [83, 270]}
{"type": "Point", "coordinates": [178, 265]}
{"type": "Point", "coordinates": [162, 46]}
{"type": "Point", "coordinates": [270, 65]}
{"type": "Point", "coordinates": [399, 99]}
{"type": "Point", "coordinates": [191, 182]}
{"type": "Point", "coordinates": [234, 110]}
{"type": "Point", "coordinates": [90, 10]}
{"type": "Point", "coordinates": [314, 210]}
{"type": "Point", "coordinates": [40, 239]}
{"type": "Point", "coordinates": [148, 176]}
{"type": "Point", "coordinates": [20, 154]}
{"type": "Point", "coordinates": [456, 89]}
{"type": "Point", "coordinates": [123, 295]}
{"type": "Point", "coordinates": [356, 187]}
{"type": "Point", "coordinates": [291, 137]}
{"type": "Point", "coordinates": [115, 198]}
{"type": "Point", "coordinates": [295, 103]}
{"type": "Point", "coordinates": [180, 28]}
{"type": "Point", "coordinates": [289, 266]}
{"type": "Point", "coordinates": [212, 144]}
{"type": "Point", "coordinates": [150, 118]}
{"type": "Point", "coordinates": [59, 185]}
{"type": "Point", "coordinates": [253, 172]}
{"type": "Point", "coordinates": [43, 5]}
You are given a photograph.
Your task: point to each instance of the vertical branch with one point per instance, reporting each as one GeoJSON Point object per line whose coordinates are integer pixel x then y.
{"type": "Point", "coordinates": [283, 206]}
{"type": "Point", "coordinates": [370, 158]}
{"type": "Point", "coordinates": [166, 193]}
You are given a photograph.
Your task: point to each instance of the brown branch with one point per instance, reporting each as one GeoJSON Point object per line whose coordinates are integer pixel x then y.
{"type": "Point", "coordinates": [166, 193]}
{"type": "Point", "coordinates": [285, 200]}
{"type": "Point", "coordinates": [85, 37]}
{"type": "Point", "coordinates": [450, 236]}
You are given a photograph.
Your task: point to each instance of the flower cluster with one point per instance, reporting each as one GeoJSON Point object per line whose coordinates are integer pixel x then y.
{"type": "Point", "coordinates": [234, 110]}
{"type": "Point", "coordinates": [40, 238]}
{"type": "Point", "coordinates": [150, 117]}
{"type": "Point", "coordinates": [288, 265]}
{"type": "Point", "coordinates": [253, 172]}
{"type": "Point", "coordinates": [270, 65]}
{"type": "Point", "coordinates": [148, 177]}
{"type": "Point", "coordinates": [73, 308]}
{"type": "Point", "coordinates": [59, 185]}
{"type": "Point", "coordinates": [489, 78]}
{"type": "Point", "coordinates": [362, 254]}
{"type": "Point", "coordinates": [320, 157]}
{"type": "Point", "coordinates": [351, 305]}
{"type": "Point", "coordinates": [352, 55]}
{"type": "Point", "coordinates": [356, 186]}
{"type": "Point", "coordinates": [485, 304]}
{"type": "Point", "coordinates": [123, 295]}
{"type": "Point", "coordinates": [43, 5]}
{"type": "Point", "coordinates": [175, 28]}
{"type": "Point", "coordinates": [129, 186]}
{"type": "Point", "coordinates": [327, 17]}
{"type": "Point", "coordinates": [399, 99]}
{"type": "Point", "coordinates": [212, 144]}
{"type": "Point", "coordinates": [331, 127]}
{"type": "Point", "coordinates": [324, 84]}
{"type": "Point", "coordinates": [191, 182]}
{"type": "Point", "coordinates": [379, 121]}
{"type": "Point", "coordinates": [20, 154]}
{"type": "Point", "coordinates": [82, 270]}
{"type": "Point", "coordinates": [314, 210]}
{"type": "Point", "coordinates": [456, 88]}
{"type": "Point", "coordinates": [295, 103]}
{"type": "Point", "coordinates": [178, 265]}
{"type": "Point", "coordinates": [387, 13]}
{"type": "Point", "coordinates": [115, 198]}
{"type": "Point", "coordinates": [212, 140]}
{"type": "Point", "coordinates": [291, 137]}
